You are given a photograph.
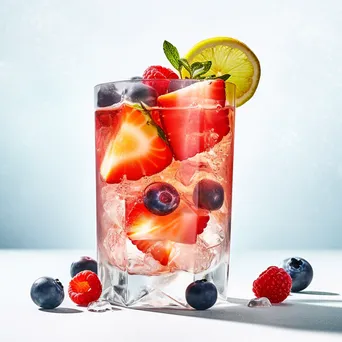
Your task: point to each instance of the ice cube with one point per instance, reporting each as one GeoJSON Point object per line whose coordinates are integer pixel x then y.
{"type": "Point", "coordinates": [100, 306]}
{"type": "Point", "coordinates": [135, 258]}
{"type": "Point", "coordinates": [223, 215]}
{"type": "Point", "coordinates": [188, 170]}
{"type": "Point", "coordinates": [115, 209]}
{"type": "Point", "coordinates": [143, 263]}
{"type": "Point", "coordinates": [126, 189]}
{"type": "Point", "coordinates": [108, 192]}
{"type": "Point", "coordinates": [194, 258]}
{"type": "Point", "coordinates": [152, 266]}
{"type": "Point", "coordinates": [218, 153]}
{"type": "Point", "coordinates": [106, 223]}
{"type": "Point", "coordinates": [213, 234]}
{"type": "Point", "coordinates": [261, 302]}
{"type": "Point", "coordinates": [115, 246]}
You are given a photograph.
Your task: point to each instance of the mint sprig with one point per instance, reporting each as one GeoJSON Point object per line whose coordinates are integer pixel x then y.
{"type": "Point", "coordinates": [143, 108]}
{"type": "Point", "coordinates": [171, 54]}
{"type": "Point", "coordinates": [196, 70]}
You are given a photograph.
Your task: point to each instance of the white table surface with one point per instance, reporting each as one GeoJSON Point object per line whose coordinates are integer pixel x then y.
{"type": "Point", "coordinates": [315, 314]}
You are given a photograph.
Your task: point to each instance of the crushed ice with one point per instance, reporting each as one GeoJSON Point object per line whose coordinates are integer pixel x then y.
{"type": "Point", "coordinates": [189, 169]}
{"type": "Point", "coordinates": [100, 306]}
{"type": "Point", "coordinates": [261, 302]}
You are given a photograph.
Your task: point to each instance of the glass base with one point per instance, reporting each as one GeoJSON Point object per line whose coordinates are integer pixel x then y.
{"type": "Point", "coordinates": [166, 290]}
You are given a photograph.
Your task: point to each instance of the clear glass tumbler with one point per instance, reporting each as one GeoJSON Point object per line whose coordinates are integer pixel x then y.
{"type": "Point", "coordinates": [164, 169]}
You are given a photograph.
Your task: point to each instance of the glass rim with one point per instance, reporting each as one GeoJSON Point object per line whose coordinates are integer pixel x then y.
{"type": "Point", "coordinates": [159, 80]}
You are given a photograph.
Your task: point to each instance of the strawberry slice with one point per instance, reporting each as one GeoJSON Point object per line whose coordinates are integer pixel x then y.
{"type": "Point", "coordinates": [208, 92]}
{"type": "Point", "coordinates": [194, 118]}
{"type": "Point", "coordinates": [156, 117]}
{"type": "Point", "coordinates": [160, 250]}
{"type": "Point", "coordinates": [183, 225]}
{"type": "Point", "coordinates": [136, 146]}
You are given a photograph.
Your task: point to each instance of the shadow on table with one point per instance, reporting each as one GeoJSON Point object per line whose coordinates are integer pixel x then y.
{"type": "Point", "coordinates": [293, 314]}
{"type": "Point", "coordinates": [62, 310]}
{"type": "Point", "coordinates": [317, 293]}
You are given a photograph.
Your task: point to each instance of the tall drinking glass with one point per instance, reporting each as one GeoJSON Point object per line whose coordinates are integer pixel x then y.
{"type": "Point", "coordinates": [164, 169]}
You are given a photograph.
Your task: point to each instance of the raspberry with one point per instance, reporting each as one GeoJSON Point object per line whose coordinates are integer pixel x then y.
{"type": "Point", "coordinates": [274, 283]}
{"type": "Point", "coordinates": [85, 288]}
{"type": "Point", "coordinates": [157, 72]}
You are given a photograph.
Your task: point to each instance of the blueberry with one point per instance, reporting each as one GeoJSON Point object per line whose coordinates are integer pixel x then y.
{"type": "Point", "coordinates": [201, 294]}
{"type": "Point", "coordinates": [47, 293]}
{"type": "Point", "coordinates": [139, 92]}
{"type": "Point", "coordinates": [107, 95]}
{"type": "Point", "coordinates": [179, 84]}
{"type": "Point", "coordinates": [161, 198]}
{"type": "Point", "coordinates": [208, 194]}
{"type": "Point", "coordinates": [300, 271]}
{"type": "Point", "coordinates": [83, 264]}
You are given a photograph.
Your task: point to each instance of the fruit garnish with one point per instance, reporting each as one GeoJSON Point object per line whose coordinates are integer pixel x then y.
{"type": "Point", "coordinates": [196, 70]}
{"type": "Point", "coordinates": [159, 73]}
{"type": "Point", "coordinates": [208, 194]}
{"type": "Point", "coordinates": [85, 288]}
{"type": "Point", "coordinates": [300, 271]}
{"type": "Point", "coordinates": [136, 147]}
{"type": "Point", "coordinates": [195, 118]}
{"type": "Point", "coordinates": [138, 92]}
{"type": "Point", "coordinates": [274, 283]}
{"type": "Point", "coordinates": [107, 95]}
{"type": "Point", "coordinates": [201, 294]}
{"type": "Point", "coordinates": [83, 264]}
{"type": "Point", "coordinates": [228, 56]}
{"type": "Point", "coordinates": [160, 250]}
{"type": "Point", "coordinates": [208, 93]}
{"type": "Point", "coordinates": [47, 293]}
{"type": "Point", "coordinates": [182, 225]}
{"type": "Point", "coordinates": [161, 198]}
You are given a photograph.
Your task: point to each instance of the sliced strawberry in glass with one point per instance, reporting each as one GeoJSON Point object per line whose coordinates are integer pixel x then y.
{"type": "Point", "coordinates": [134, 146]}
{"type": "Point", "coordinates": [160, 250]}
{"type": "Point", "coordinates": [183, 225]}
{"type": "Point", "coordinates": [194, 118]}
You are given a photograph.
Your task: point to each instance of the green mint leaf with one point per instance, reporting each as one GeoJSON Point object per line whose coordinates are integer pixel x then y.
{"type": "Point", "coordinates": [139, 106]}
{"type": "Point", "coordinates": [142, 107]}
{"type": "Point", "coordinates": [202, 70]}
{"type": "Point", "coordinates": [196, 65]}
{"type": "Point", "coordinates": [185, 64]}
{"type": "Point", "coordinates": [161, 133]}
{"type": "Point", "coordinates": [224, 77]}
{"type": "Point", "coordinates": [171, 54]}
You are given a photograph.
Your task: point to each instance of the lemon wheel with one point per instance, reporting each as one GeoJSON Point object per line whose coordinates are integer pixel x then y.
{"type": "Point", "coordinates": [229, 56]}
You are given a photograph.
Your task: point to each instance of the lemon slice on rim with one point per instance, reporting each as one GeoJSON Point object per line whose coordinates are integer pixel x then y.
{"type": "Point", "coordinates": [229, 56]}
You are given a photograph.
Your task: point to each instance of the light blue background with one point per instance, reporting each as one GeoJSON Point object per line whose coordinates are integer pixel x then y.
{"type": "Point", "coordinates": [288, 157]}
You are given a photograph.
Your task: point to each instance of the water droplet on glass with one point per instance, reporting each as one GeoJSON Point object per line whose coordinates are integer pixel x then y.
{"type": "Point", "coordinates": [100, 306]}
{"type": "Point", "coordinates": [262, 302]}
